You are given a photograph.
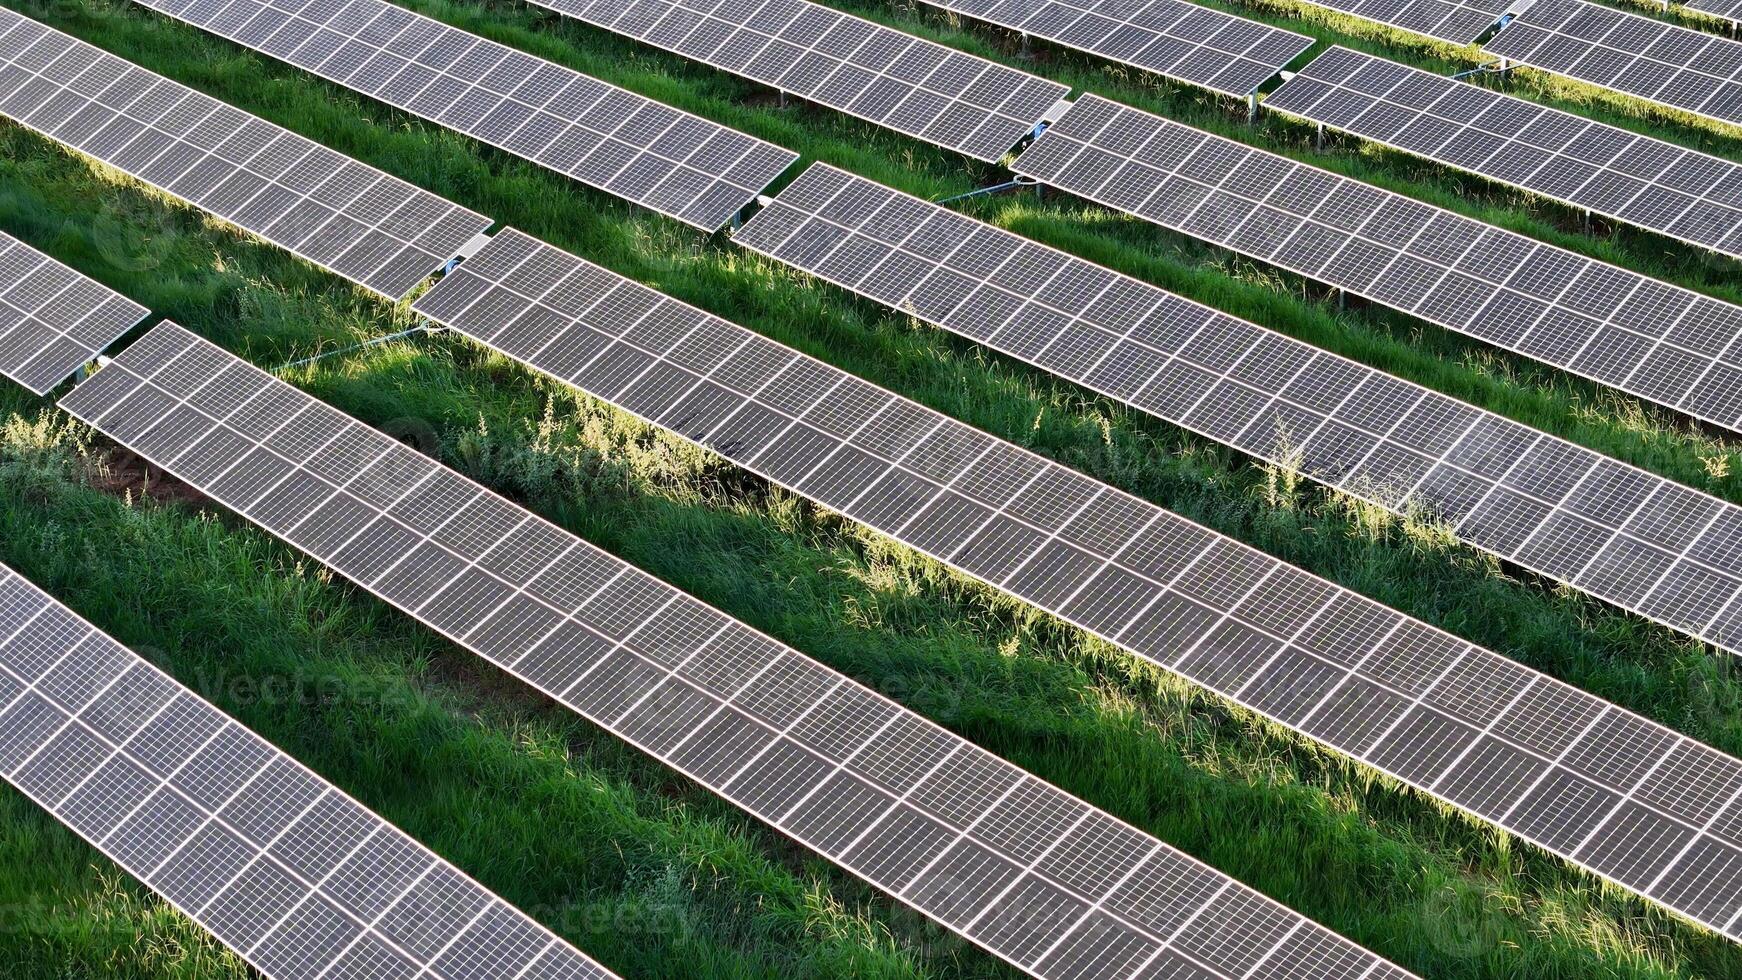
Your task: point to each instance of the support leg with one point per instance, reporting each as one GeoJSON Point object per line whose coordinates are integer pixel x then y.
{"type": "Point", "coordinates": [422, 328]}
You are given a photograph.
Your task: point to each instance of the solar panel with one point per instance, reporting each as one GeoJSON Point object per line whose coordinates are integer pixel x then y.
{"type": "Point", "coordinates": [1025, 870]}
{"type": "Point", "coordinates": [1688, 70]}
{"type": "Point", "coordinates": [1461, 723]}
{"type": "Point", "coordinates": [1644, 543]}
{"type": "Point", "coordinates": [52, 319]}
{"type": "Point", "coordinates": [672, 162]}
{"type": "Point", "coordinates": [1180, 40]}
{"type": "Point", "coordinates": [1730, 10]}
{"type": "Point", "coordinates": [371, 228]}
{"type": "Point", "coordinates": [281, 866]}
{"type": "Point", "coordinates": [864, 69]}
{"type": "Point", "coordinates": [1650, 183]}
{"type": "Point", "coordinates": [1659, 342]}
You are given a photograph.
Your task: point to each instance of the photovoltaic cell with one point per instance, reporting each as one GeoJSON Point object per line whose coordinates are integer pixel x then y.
{"type": "Point", "coordinates": [277, 863]}
{"type": "Point", "coordinates": [672, 162]}
{"type": "Point", "coordinates": [52, 319]}
{"type": "Point", "coordinates": [1388, 690]}
{"type": "Point", "coordinates": [1659, 342]}
{"type": "Point", "coordinates": [1646, 182]}
{"type": "Point", "coordinates": [1032, 874]}
{"type": "Point", "coordinates": [371, 228]}
{"type": "Point", "coordinates": [1648, 545]}
{"type": "Point", "coordinates": [1180, 40]}
{"type": "Point", "coordinates": [1674, 66]}
{"type": "Point", "coordinates": [864, 69]}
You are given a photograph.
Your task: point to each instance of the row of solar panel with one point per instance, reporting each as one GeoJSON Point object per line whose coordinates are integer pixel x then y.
{"type": "Point", "coordinates": [371, 228]}
{"type": "Point", "coordinates": [1663, 343]}
{"type": "Point", "coordinates": [867, 70]}
{"type": "Point", "coordinates": [799, 46]}
{"type": "Point", "coordinates": [1671, 65]}
{"type": "Point", "coordinates": [1034, 875]}
{"type": "Point", "coordinates": [1674, 66]}
{"type": "Point", "coordinates": [672, 162]}
{"type": "Point", "coordinates": [1647, 182]}
{"type": "Point", "coordinates": [510, 611]}
{"type": "Point", "coordinates": [1693, 590]}
{"type": "Point", "coordinates": [1651, 571]}
{"type": "Point", "coordinates": [1563, 515]}
{"type": "Point", "coordinates": [1585, 779]}
{"type": "Point", "coordinates": [1667, 345]}
{"type": "Point", "coordinates": [296, 877]}
{"type": "Point", "coordinates": [1634, 333]}
{"type": "Point", "coordinates": [1636, 539]}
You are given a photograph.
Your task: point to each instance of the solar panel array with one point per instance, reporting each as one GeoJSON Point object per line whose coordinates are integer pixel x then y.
{"type": "Point", "coordinates": [1216, 50]}
{"type": "Point", "coordinates": [1730, 10]}
{"type": "Point", "coordinates": [53, 320]}
{"type": "Point", "coordinates": [1689, 70]}
{"type": "Point", "coordinates": [1627, 536]}
{"type": "Point", "coordinates": [1605, 169]}
{"type": "Point", "coordinates": [1032, 874]}
{"type": "Point", "coordinates": [371, 228]}
{"type": "Point", "coordinates": [864, 69]}
{"type": "Point", "coordinates": [295, 876]}
{"type": "Point", "coordinates": [1581, 777]}
{"type": "Point", "coordinates": [672, 162]}
{"type": "Point", "coordinates": [1639, 335]}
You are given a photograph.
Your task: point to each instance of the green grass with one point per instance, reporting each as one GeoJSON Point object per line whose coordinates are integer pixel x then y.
{"type": "Point", "coordinates": [641, 868]}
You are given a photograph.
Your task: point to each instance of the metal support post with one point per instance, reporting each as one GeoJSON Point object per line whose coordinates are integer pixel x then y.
{"type": "Point", "coordinates": [1011, 184]}
{"type": "Point", "coordinates": [422, 328]}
